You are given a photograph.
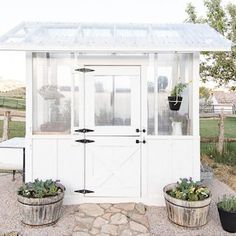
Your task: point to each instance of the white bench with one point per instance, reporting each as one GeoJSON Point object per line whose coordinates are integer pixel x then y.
{"type": "Point", "coordinates": [12, 155]}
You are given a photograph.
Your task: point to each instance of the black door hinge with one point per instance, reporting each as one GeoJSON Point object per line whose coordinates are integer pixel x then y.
{"type": "Point", "coordinates": [84, 141]}
{"type": "Point", "coordinates": [84, 130]}
{"type": "Point", "coordinates": [85, 70]}
{"type": "Point", "coordinates": [84, 191]}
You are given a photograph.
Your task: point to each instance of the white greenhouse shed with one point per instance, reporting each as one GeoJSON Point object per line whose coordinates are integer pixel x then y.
{"type": "Point", "coordinates": [98, 117]}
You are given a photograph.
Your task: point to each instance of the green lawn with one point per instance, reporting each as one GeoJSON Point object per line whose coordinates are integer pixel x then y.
{"type": "Point", "coordinates": [14, 103]}
{"type": "Point", "coordinates": [17, 129]}
{"type": "Point", "coordinates": [209, 127]}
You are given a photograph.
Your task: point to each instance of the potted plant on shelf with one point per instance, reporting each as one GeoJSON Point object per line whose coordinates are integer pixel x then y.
{"type": "Point", "coordinates": [175, 98]}
{"type": "Point", "coordinates": [187, 203]}
{"type": "Point", "coordinates": [40, 202]}
{"type": "Point", "coordinates": [50, 92]}
{"type": "Point", "coordinates": [227, 211]}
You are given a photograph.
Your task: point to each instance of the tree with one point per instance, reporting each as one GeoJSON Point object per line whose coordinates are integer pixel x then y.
{"type": "Point", "coordinates": [219, 66]}
{"type": "Point", "coordinates": [205, 95]}
{"type": "Point", "coordinates": [191, 11]}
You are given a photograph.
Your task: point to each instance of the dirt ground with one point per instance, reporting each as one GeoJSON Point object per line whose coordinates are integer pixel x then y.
{"type": "Point", "coordinates": [224, 173]}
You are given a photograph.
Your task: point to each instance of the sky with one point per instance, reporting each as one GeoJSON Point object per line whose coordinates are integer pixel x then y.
{"type": "Point", "coordinates": [12, 12]}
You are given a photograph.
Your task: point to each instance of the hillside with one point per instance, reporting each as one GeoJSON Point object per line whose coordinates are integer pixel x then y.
{"type": "Point", "coordinates": [14, 93]}
{"type": "Point", "coordinates": [8, 85]}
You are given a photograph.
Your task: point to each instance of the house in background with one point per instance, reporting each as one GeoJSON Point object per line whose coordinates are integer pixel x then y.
{"type": "Point", "coordinates": [223, 100]}
{"type": "Point", "coordinates": [97, 112]}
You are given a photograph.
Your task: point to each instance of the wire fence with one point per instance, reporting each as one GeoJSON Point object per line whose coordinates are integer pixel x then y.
{"type": "Point", "coordinates": [13, 103]}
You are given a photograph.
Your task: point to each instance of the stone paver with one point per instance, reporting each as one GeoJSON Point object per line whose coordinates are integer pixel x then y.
{"type": "Point", "coordinates": [110, 229]}
{"type": "Point", "coordinates": [125, 206]}
{"type": "Point", "coordinates": [142, 219]}
{"type": "Point", "coordinates": [138, 227]}
{"type": "Point", "coordinates": [91, 209]}
{"type": "Point", "coordinates": [111, 219]}
{"type": "Point", "coordinates": [105, 205]}
{"type": "Point", "coordinates": [119, 219]}
{"type": "Point", "coordinates": [99, 222]}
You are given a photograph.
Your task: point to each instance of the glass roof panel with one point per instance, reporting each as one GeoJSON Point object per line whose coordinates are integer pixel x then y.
{"type": "Point", "coordinates": [114, 37]}
{"type": "Point", "coordinates": [91, 32]}
{"type": "Point", "coordinates": [131, 33]}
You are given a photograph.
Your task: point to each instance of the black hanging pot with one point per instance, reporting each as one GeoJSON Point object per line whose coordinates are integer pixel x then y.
{"type": "Point", "coordinates": [228, 220]}
{"type": "Point", "coordinates": [175, 102]}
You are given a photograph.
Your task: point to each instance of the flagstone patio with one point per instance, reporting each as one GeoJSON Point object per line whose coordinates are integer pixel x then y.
{"type": "Point", "coordinates": [111, 219]}
{"type": "Point", "coordinates": [125, 219]}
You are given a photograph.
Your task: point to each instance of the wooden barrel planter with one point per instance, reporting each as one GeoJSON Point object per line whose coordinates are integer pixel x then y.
{"type": "Point", "coordinates": [186, 213]}
{"type": "Point", "coordinates": [40, 211]}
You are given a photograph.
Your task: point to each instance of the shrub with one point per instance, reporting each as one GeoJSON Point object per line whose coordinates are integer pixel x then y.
{"type": "Point", "coordinates": [40, 189]}
{"type": "Point", "coordinates": [227, 203]}
{"type": "Point", "coordinates": [228, 157]}
{"type": "Point", "coordinates": [189, 190]}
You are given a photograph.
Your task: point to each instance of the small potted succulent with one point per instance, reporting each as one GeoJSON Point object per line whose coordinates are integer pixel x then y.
{"type": "Point", "coordinates": [175, 98]}
{"type": "Point", "coordinates": [227, 211]}
{"type": "Point", "coordinates": [187, 203]}
{"type": "Point", "coordinates": [40, 202]}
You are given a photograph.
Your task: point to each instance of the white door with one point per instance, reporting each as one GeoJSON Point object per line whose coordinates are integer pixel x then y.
{"type": "Point", "coordinates": [113, 167]}
{"type": "Point", "coordinates": [112, 113]}
{"type": "Point", "coordinates": [112, 100]}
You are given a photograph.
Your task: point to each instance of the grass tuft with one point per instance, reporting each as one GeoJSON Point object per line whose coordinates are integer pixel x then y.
{"type": "Point", "coordinates": [228, 157]}
{"type": "Point", "coordinates": [17, 129]}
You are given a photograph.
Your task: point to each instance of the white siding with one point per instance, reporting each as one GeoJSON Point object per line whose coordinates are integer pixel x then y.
{"type": "Point", "coordinates": [44, 159]}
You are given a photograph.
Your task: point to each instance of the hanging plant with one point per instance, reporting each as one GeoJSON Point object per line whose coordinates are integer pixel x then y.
{"type": "Point", "coordinates": [175, 98]}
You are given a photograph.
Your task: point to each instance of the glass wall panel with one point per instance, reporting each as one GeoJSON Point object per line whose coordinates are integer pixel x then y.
{"type": "Point", "coordinates": [52, 77]}
{"type": "Point", "coordinates": [169, 70]}
{"type": "Point", "coordinates": [78, 78]}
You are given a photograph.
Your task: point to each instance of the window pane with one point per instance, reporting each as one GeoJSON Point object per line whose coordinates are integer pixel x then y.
{"type": "Point", "coordinates": [77, 78]}
{"type": "Point", "coordinates": [51, 93]}
{"type": "Point", "coordinates": [112, 101]}
{"type": "Point", "coordinates": [171, 69]}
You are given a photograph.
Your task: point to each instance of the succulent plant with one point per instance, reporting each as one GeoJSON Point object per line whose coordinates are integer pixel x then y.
{"type": "Point", "coordinates": [40, 189]}
{"type": "Point", "coordinates": [189, 190]}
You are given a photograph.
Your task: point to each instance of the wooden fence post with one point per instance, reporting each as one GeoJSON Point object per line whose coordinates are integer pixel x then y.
{"type": "Point", "coordinates": [220, 146]}
{"type": "Point", "coordinates": [7, 118]}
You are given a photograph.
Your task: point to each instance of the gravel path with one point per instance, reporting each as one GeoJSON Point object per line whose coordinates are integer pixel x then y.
{"type": "Point", "coordinates": [159, 224]}
{"type": "Point", "coordinates": [10, 218]}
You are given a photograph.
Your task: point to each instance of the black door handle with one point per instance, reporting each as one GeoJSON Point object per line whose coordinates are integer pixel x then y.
{"type": "Point", "coordinates": [142, 130]}
{"type": "Point", "coordinates": [138, 141]}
